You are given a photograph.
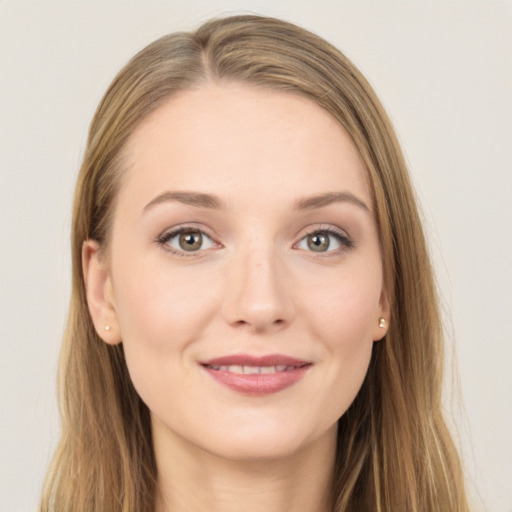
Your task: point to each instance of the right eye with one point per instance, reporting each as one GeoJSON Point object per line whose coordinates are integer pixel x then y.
{"type": "Point", "coordinates": [186, 240]}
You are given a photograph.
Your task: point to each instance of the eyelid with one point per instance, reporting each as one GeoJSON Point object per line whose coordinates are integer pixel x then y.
{"type": "Point", "coordinates": [174, 231]}
{"type": "Point", "coordinates": [344, 239]}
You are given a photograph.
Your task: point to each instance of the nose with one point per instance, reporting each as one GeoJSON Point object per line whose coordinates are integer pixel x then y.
{"type": "Point", "coordinates": [257, 295]}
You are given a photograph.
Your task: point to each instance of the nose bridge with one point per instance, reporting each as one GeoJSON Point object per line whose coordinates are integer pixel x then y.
{"type": "Point", "coordinates": [257, 295]}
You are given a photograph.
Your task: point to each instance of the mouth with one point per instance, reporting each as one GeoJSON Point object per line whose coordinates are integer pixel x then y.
{"type": "Point", "coordinates": [254, 370]}
{"type": "Point", "coordinates": [257, 375]}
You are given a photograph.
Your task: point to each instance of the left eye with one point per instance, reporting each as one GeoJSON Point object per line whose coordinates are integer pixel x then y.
{"type": "Point", "coordinates": [323, 241]}
{"type": "Point", "coordinates": [187, 240]}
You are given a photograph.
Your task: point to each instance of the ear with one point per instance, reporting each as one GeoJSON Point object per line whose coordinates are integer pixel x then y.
{"type": "Point", "coordinates": [100, 297]}
{"type": "Point", "coordinates": [382, 321]}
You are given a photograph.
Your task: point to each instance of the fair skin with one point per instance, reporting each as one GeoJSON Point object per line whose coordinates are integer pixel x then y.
{"type": "Point", "coordinates": [281, 257]}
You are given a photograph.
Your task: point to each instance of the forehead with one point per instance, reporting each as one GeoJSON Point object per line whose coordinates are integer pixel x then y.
{"type": "Point", "coordinates": [236, 141]}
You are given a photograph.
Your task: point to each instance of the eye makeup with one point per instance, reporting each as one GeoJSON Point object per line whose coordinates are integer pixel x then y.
{"type": "Point", "coordinates": [191, 241]}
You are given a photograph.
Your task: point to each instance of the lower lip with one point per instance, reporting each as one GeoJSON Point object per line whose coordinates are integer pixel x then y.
{"type": "Point", "coordinates": [258, 384]}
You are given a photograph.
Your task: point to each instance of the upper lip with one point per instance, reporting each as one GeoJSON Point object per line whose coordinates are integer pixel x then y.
{"type": "Point", "coordinates": [249, 360]}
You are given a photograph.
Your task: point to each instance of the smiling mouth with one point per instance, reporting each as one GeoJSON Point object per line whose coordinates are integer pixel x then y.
{"type": "Point", "coordinates": [257, 375]}
{"type": "Point", "coordinates": [255, 370]}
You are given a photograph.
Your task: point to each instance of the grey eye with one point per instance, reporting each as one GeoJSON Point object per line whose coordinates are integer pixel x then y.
{"type": "Point", "coordinates": [189, 240]}
{"type": "Point", "coordinates": [318, 242]}
{"type": "Point", "coordinates": [321, 241]}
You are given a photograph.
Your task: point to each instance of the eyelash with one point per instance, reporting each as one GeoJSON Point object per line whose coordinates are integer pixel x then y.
{"type": "Point", "coordinates": [340, 237]}
{"type": "Point", "coordinates": [163, 240]}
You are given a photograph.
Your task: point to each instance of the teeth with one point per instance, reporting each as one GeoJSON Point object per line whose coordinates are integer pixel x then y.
{"type": "Point", "coordinates": [253, 370]}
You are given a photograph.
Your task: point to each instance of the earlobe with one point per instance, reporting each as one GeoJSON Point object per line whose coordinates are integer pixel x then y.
{"type": "Point", "coordinates": [382, 321]}
{"type": "Point", "coordinates": [100, 299]}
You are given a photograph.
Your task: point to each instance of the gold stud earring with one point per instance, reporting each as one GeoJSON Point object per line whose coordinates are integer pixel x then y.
{"type": "Point", "coordinates": [107, 327]}
{"type": "Point", "coordinates": [382, 323]}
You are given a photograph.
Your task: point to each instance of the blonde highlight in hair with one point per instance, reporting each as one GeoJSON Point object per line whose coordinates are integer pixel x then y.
{"type": "Point", "coordinates": [394, 450]}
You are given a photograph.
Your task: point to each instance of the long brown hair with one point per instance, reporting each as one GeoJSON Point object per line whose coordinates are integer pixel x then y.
{"type": "Point", "coordinates": [394, 450]}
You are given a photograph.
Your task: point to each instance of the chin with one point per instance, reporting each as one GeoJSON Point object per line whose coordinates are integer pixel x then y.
{"type": "Point", "coordinates": [256, 451]}
{"type": "Point", "coordinates": [261, 443]}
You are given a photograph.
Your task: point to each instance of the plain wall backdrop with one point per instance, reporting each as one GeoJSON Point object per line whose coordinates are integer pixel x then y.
{"type": "Point", "coordinates": [443, 70]}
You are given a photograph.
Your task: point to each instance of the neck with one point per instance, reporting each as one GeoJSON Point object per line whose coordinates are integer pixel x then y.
{"type": "Point", "coordinates": [191, 479]}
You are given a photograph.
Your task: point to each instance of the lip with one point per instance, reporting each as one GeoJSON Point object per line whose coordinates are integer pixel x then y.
{"type": "Point", "coordinates": [257, 384]}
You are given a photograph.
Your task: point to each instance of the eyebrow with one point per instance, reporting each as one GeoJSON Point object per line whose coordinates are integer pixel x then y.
{"type": "Point", "coordinates": [211, 201]}
{"type": "Point", "coordinates": [321, 200]}
{"type": "Point", "coordinates": [191, 198]}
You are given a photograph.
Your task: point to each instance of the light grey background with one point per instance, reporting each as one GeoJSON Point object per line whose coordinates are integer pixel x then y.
{"type": "Point", "coordinates": [442, 69]}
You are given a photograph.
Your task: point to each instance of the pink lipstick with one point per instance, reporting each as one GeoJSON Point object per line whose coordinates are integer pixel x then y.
{"type": "Point", "coordinates": [256, 375]}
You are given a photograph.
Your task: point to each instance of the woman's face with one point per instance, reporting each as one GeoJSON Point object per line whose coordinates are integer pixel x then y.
{"type": "Point", "coordinates": [244, 275]}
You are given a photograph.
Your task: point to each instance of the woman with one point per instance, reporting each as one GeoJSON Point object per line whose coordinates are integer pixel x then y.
{"type": "Point", "coordinates": [254, 320]}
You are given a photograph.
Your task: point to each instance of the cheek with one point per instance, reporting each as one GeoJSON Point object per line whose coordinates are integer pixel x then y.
{"type": "Point", "coordinates": [156, 303]}
{"type": "Point", "coordinates": [160, 313]}
{"type": "Point", "coordinates": [344, 307]}
{"type": "Point", "coordinates": [343, 315]}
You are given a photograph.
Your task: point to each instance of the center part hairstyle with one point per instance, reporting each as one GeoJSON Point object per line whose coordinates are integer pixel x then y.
{"type": "Point", "coordinates": [394, 452]}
